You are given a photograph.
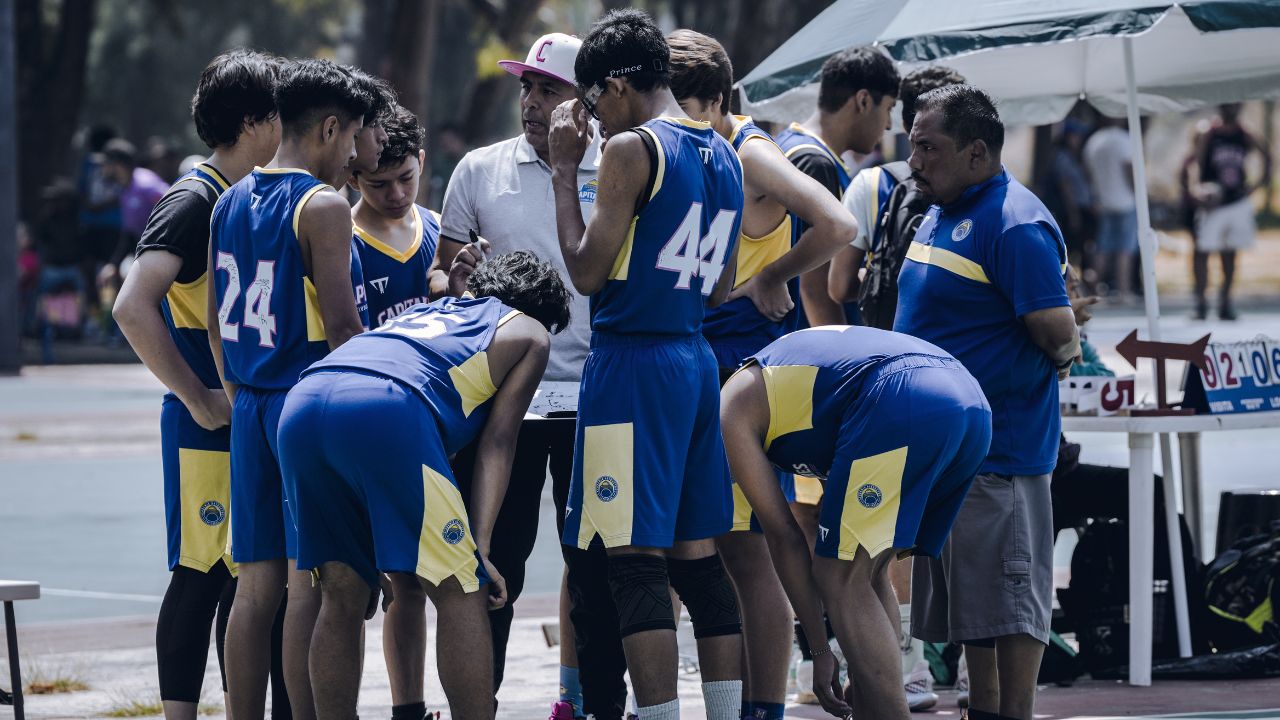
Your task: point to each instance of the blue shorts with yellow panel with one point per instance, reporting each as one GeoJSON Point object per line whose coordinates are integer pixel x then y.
{"type": "Point", "coordinates": [197, 488]}
{"type": "Point", "coordinates": [649, 466]}
{"type": "Point", "coordinates": [369, 478]}
{"type": "Point", "coordinates": [894, 427]}
{"type": "Point", "coordinates": [264, 527]}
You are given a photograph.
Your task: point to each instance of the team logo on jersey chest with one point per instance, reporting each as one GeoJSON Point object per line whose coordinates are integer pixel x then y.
{"type": "Point", "coordinates": [212, 513]}
{"type": "Point", "coordinates": [606, 488]}
{"type": "Point", "coordinates": [380, 284]}
{"type": "Point", "coordinates": [453, 532]}
{"type": "Point", "coordinates": [961, 230]}
{"type": "Point", "coordinates": [870, 496]}
{"type": "Point", "coordinates": [587, 193]}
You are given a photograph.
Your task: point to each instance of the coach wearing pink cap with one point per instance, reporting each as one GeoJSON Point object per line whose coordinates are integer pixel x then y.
{"type": "Point", "coordinates": [503, 193]}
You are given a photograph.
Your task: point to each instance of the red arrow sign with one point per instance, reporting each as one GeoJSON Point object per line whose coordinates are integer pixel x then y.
{"type": "Point", "coordinates": [1131, 348]}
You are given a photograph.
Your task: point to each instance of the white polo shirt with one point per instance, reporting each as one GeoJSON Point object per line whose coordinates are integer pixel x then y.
{"type": "Point", "coordinates": [503, 192]}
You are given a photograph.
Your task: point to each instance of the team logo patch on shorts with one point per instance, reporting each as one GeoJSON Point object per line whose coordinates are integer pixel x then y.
{"type": "Point", "coordinates": [453, 532]}
{"type": "Point", "coordinates": [961, 231]}
{"type": "Point", "coordinates": [869, 496]}
{"type": "Point", "coordinates": [212, 513]}
{"type": "Point", "coordinates": [606, 488]}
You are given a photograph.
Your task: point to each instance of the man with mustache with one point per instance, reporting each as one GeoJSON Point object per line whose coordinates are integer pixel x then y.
{"type": "Point", "coordinates": [503, 194]}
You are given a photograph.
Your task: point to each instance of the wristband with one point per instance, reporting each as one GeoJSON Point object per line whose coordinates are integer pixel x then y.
{"type": "Point", "coordinates": [814, 653]}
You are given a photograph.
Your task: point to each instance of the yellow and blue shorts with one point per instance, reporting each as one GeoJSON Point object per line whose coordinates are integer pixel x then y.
{"type": "Point", "coordinates": [649, 466]}
{"type": "Point", "coordinates": [197, 487]}
{"type": "Point", "coordinates": [261, 528]}
{"type": "Point", "coordinates": [908, 450]}
{"type": "Point", "coordinates": [369, 480]}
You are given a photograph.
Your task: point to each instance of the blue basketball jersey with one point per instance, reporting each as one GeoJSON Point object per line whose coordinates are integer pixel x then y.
{"type": "Point", "coordinates": [681, 238]}
{"type": "Point", "coordinates": [737, 327]}
{"type": "Point", "coordinates": [268, 313]}
{"type": "Point", "coordinates": [796, 139]}
{"type": "Point", "coordinates": [812, 377]}
{"type": "Point", "coordinates": [438, 351]}
{"type": "Point", "coordinates": [185, 304]}
{"type": "Point", "coordinates": [395, 281]}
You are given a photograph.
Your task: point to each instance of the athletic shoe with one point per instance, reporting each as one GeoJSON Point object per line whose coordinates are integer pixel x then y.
{"type": "Point", "coordinates": [962, 683]}
{"type": "Point", "coordinates": [561, 711]}
{"type": "Point", "coordinates": [919, 688]}
{"type": "Point", "coordinates": [1202, 310]}
{"type": "Point", "coordinates": [804, 683]}
{"type": "Point", "coordinates": [1228, 312]}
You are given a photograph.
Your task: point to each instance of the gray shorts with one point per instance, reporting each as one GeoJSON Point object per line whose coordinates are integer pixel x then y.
{"type": "Point", "coordinates": [995, 575]}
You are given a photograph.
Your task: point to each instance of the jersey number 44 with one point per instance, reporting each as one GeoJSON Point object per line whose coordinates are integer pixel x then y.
{"type": "Point", "coordinates": [692, 254]}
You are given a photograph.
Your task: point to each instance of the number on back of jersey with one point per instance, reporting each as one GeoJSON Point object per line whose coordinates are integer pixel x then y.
{"type": "Point", "coordinates": [692, 254]}
{"type": "Point", "coordinates": [257, 301]}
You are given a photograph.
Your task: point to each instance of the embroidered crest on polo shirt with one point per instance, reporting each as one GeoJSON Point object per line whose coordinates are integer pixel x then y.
{"type": "Point", "coordinates": [961, 230]}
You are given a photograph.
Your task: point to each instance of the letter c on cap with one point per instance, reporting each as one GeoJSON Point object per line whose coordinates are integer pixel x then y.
{"type": "Point", "coordinates": [545, 44]}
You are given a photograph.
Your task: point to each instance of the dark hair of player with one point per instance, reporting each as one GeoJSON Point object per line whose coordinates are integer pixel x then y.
{"type": "Point", "coordinates": [860, 68]}
{"type": "Point", "coordinates": [921, 82]}
{"type": "Point", "coordinates": [405, 137]}
{"type": "Point", "coordinates": [98, 136]}
{"type": "Point", "coordinates": [700, 68]}
{"type": "Point", "coordinates": [384, 97]}
{"type": "Point", "coordinates": [624, 43]}
{"type": "Point", "coordinates": [968, 114]}
{"type": "Point", "coordinates": [121, 151]}
{"type": "Point", "coordinates": [523, 282]}
{"type": "Point", "coordinates": [310, 90]}
{"type": "Point", "coordinates": [236, 87]}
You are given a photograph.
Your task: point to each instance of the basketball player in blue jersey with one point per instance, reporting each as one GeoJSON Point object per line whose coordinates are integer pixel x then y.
{"type": "Point", "coordinates": [162, 311]}
{"type": "Point", "coordinates": [395, 240]}
{"type": "Point", "coordinates": [423, 385]}
{"type": "Point", "coordinates": [855, 97]}
{"type": "Point", "coordinates": [896, 429]}
{"type": "Point", "coordinates": [774, 190]}
{"type": "Point", "coordinates": [280, 254]}
{"type": "Point", "coordinates": [650, 479]}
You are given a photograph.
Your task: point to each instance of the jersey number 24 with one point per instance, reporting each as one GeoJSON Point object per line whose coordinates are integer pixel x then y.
{"type": "Point", "coordinates": [687, 250]}
{"type": "Point", "coordinates": [257, 301]}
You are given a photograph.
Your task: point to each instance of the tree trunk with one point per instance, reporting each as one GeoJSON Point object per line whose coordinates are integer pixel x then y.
{"type": "Point", "coordinates": [50, 88]}
{"type": "Point", "coordinates": [481, 120]}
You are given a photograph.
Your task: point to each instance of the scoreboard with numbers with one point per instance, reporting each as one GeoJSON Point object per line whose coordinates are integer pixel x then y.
{"type": "Point", "coordinates": [1237, 377]}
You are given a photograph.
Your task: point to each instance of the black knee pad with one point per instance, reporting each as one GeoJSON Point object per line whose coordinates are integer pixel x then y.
{"type": "Point", "coordinates": [639, 585]}
{"type": "Point", "coordinates": [704, 588]}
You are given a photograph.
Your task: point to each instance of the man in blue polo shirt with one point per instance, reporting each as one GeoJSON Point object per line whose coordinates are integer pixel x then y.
{"type": "Point", "coordinates": [983, 280]}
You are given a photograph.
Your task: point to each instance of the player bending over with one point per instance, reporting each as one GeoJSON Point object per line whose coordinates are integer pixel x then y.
{"type": "Point", "coordinates": [896, 429]}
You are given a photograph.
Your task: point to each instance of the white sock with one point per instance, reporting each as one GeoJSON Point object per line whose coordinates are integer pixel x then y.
{"type": "Point", "coordinates": [723, 699]}
{"type": "Point", "coordinates": [912, 649]}
{"type": "Point", "coordinates": [665, 711]}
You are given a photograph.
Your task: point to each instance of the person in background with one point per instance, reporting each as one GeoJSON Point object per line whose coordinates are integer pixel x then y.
{"type": "Point", "coordinates": [99, 211]}
{"type": "Point", "coordinates": [142, 189]}
{"type": "Point", "coordinates": [1225, 222]}
{"type": "Point", "coordinates": [1108, 156]}
{"type": "Point", "coordinates": [1066, 192]}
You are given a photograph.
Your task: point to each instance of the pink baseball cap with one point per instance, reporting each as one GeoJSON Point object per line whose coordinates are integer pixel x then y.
{"type": "Point", "coordinates": [551, 55]}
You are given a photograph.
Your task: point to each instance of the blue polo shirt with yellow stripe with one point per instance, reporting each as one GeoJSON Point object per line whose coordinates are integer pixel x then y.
{"type": "Point", "coordinates": [975, 268]}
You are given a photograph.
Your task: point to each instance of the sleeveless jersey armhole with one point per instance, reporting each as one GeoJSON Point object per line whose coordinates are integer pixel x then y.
{"type": "Point", "coordinates": [651, 145]}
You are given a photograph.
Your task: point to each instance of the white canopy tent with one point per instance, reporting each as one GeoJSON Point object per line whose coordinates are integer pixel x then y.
{"type": "Point", "coordinates": [1037, 58]}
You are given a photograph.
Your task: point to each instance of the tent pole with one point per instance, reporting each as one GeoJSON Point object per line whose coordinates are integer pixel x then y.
{"type": "Point", "coordinates": [1146, 240]}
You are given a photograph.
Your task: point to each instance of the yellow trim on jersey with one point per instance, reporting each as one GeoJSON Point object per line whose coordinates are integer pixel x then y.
{"type": "Point", "coordinates": [444, 518]}
{"type": "Point", "coordinates": [302, 202]}
{"type": "Point", "coordinates": [741, 510]}
{"type": "Point", "coordinates": [608, 453]}
{"type": "Point", "coordinates": [818, 143]}
{"type": "Point", "coordinates": [503, 320]}
{"type": "Point", "coordinates": [755, 254]}
{"type": "Point", "coordinates": [662, 160]}
{"type": "Point", "coordinates": [213, 172]}
{"type": "Point", "coordinates": [790, 392]}
{"type": "Point", "coordinates": [400, 256]}
{"type": "Point", "coordinates": [473, 382]}
{"type": "Point", "coordinates": [873, 528]}
{"type": "Point", "coordinates": [742, 122]}
{"type": "Point", "coordinates": [189, 303]}
{"type": "Point", "coordinates": [315, 324]}
{"type": "Point", "coordinates": [808, 490]}
{"type": "Point", "coordinates": [203, 476]}
{"type": "Point", "coordinates": [622, 263]}
{"type": "Point", "coordinates": [947, 260]}
{"type": "Point", "coordinates": [687, 122]}
{"type": "Point", "coordinates": [200, 180]}
{"type": "Point", "coordinates": [281, 170]}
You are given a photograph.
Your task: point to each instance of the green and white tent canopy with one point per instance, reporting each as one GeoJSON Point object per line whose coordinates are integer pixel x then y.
{"type": "Point", "coordinates": [1038, 57]}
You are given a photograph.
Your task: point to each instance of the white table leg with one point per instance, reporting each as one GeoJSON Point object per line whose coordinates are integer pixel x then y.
{"type": "Point", "coordinates": [1176, 569]}
{"type": "Point", "coordinates": [1141, 555]}
{"type": "Point", "coordinates": [1192, 500]}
